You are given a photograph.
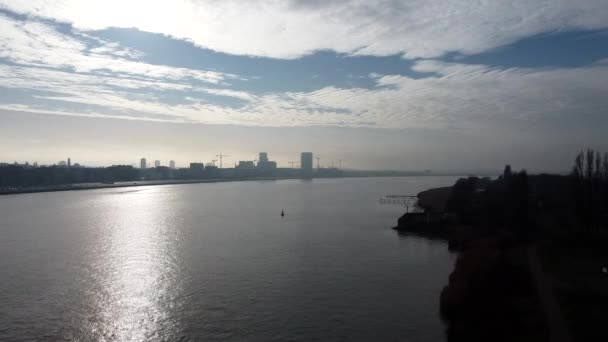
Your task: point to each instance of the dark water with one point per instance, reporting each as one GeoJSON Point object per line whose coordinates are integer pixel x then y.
{"type": "Point", "coordinates": [217, 262]}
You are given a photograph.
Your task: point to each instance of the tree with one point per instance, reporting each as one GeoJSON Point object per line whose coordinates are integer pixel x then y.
{"type": "Point", "coordinates": [507, 173]}
{"type": "Point", "coordinates": [590, 173]}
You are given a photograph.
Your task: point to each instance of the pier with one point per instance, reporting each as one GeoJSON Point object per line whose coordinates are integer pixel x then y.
{"type": "Point", "coordinates": [406, 200]}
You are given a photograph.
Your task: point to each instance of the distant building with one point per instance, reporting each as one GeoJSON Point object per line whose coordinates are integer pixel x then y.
{"type": "Point", "coordinates": [263, 157]}
{"type": "Point", "coordinates": [246, 164]}
{"type": "Point", "coordinates": [211, 168]}
{"type": "Point", "coordinates": [157, 163]}
{"type": "Point", "coordinates": [172, 164]}
{"type": "Point", "coordinates": [197, 166]}
{"type": "Point", "coordinates": [264, 163]}
{"type": "Point", "coordinates": [69, 162]}
{"type": "Point", "coordinates": [143, 163]}
{"type": "Point", "coordinates": [306, 162]}
{"type": "Point", "coordinates": [62, 163]}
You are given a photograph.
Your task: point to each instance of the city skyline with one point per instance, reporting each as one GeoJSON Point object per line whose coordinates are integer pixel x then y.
{"type": "Point", "coordinates": [404, 153]}
{"type": "Point", "coordinates": [233, 160]}
{"type": "Point", "coordinates": [263, 161]}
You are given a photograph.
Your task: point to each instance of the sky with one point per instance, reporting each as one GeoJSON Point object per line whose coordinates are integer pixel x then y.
{"type": "Point", "coordinates": [385, 84]}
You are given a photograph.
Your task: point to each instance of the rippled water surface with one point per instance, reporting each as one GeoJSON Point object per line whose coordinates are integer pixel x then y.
{"type": "Point", "coordinates": [217, 262]}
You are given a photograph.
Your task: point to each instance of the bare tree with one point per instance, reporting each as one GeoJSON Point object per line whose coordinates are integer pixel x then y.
{"type": "Point", "coordinates": [605, 167]}
{"type": "Point", "coordinates": [578, 169]}
{"type": "Point", "coordinates": [590, 172]}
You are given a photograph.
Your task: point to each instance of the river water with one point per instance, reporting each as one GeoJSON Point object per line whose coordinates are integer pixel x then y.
{"type": "Point", "coordinates": [217, 262]}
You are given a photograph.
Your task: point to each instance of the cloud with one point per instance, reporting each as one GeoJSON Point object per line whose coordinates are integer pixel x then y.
{"type": "Point", "coordinates": [227, 92]}
{"type": "Point", "coordinates": [115, 49]}
{"type": "Point", "coordinates": [291, 29]}
{"type": "Point", "coordinates": [463, 97]}
{"type": "Point", "coordinates": [36, 43]}
{"type": "Point", "coordinates": [90, 114]}
{"type": "Point", "coordinates": [76, 73]}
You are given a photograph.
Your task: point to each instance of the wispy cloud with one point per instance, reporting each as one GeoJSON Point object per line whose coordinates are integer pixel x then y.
{"type": "Point", "coordinates": [462, 96]}
{"type": "Point", "coordinates": [37, 43]}
{"type": "Point", "coordinates": [115, 49]}
{"type": "Point", "coordinates": [290, 29]}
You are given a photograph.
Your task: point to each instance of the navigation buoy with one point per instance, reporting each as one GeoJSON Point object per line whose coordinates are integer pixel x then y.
{"type": "Point", "coordinates": [282, 213]}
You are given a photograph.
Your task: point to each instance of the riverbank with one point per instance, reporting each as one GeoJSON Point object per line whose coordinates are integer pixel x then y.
{"type": "Point", "coordinates": [577, 270]}
{"type": "Point", "coordinates": [535, 281]}
{"type": "Point", "coordinates": [492, 294]}
{"type": "Point", "coordinates": [93, 186]}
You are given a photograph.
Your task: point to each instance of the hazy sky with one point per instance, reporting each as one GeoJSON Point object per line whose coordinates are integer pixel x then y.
{"type": "Point", "coordinates": [380, 84]}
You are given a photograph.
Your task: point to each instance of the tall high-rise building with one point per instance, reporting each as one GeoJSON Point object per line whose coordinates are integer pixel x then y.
{"type": "Point", "coordinates": [264, 163]}
{"type": "Point", "coordinates": [143, 163]}
{"type": "Point", "coordinates": [156, 163]}
{"type": "Point", "coordinates": [172, 164]}
{"type": "Point", "coordinates": [306, 162]}
{"type": "Point", "coordinates": [69, 162]}
{"type": "Point", "coordinates": [263, 157]}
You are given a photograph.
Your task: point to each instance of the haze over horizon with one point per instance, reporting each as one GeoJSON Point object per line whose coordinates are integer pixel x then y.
{"type": "Point", "coordinates": [382, 85]}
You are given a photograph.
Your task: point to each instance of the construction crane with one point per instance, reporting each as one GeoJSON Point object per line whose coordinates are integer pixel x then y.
{"type": "Point", "coordinates": [318, 167]}
{"type": "Point", "coordinates": [221, 156]}
{"type": "Point", "coordinates": [292, 163]}
{"type": "Point", "coordinates": [339, 163]}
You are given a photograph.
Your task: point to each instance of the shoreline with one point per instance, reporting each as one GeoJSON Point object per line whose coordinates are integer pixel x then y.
{"type": "Point", "coordinates": [95, 186]}
{"type": "Point", "coordinates": [492, 287]}
{"type": "Point", "coordinates": [497, 283]}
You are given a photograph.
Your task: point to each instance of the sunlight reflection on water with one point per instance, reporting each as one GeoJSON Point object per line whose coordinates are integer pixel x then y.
{"type": "Point", "coordinates": [137, 271]}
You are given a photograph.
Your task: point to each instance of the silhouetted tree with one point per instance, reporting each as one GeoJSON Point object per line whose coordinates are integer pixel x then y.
{"type": "Point", "coordinates": [590, 174]}
{"type": "Point", "coordinates": [461, 201]}
{"type": "Point", "coordinates": [605, 167]}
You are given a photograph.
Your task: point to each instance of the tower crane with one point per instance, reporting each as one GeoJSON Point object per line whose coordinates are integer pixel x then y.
{"type": "Point", "coordinates": [221, 156]}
